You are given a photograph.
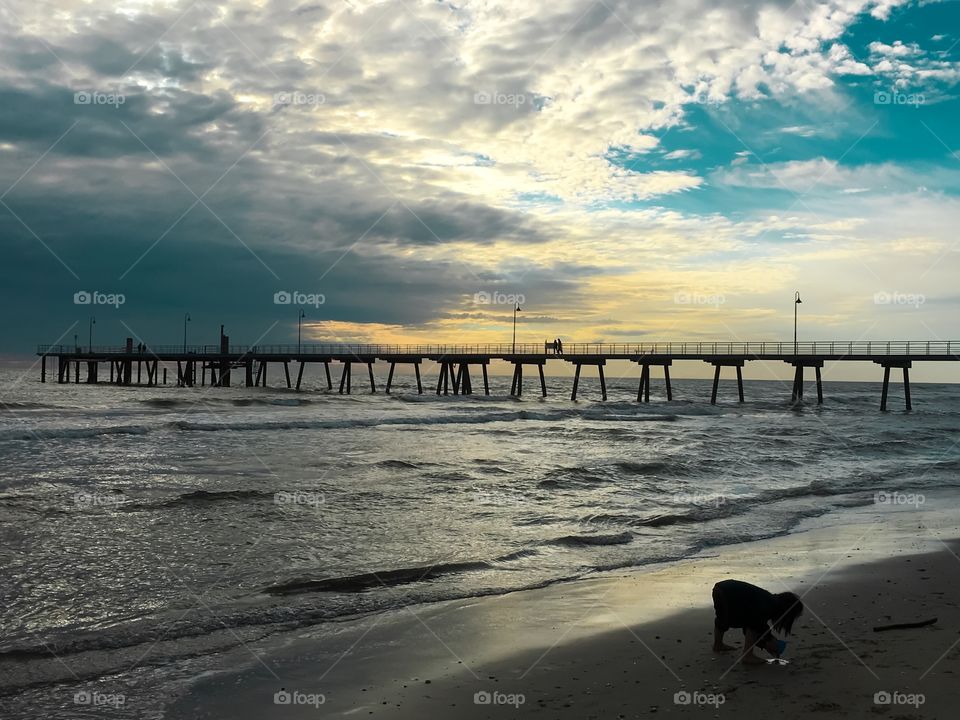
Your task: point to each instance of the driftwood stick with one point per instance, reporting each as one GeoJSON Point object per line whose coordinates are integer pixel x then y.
{"type": "Point", "coordinates": [905, 626]}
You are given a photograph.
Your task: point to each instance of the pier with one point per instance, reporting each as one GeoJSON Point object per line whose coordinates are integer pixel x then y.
{"type": "Point", "coordinates": [215, 365]}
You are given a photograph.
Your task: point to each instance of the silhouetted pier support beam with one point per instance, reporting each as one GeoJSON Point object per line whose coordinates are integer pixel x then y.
{"type": "Point", "coordinates": [346, 377]}
{"type": "Point", "coordinates": [905, 365]}
{"type": "Point", "coordinates": [797, 393]}
{"type": "Point", "coordinates": [516, 386]}
{"type": "Point", "coordinates": [224, 376]}
{"type": "Point", "coordinates": [461, 381]}
{"type": "Point", "coordinates": [643, 392]}
{"type": "Point", "coordinates": [580, 362]}
{"type": "Point", "coordinates": [185, 377]}
{"type": "Point", "coordinates": [443, 379]}
{"type": "Point", "coordinates": [455, 373]}
{"type": "Point", "coordinates": [127, 367]}
{"type": "Point", "coordinates": [43, 368]}
{"type": "Point", "coordinates": [286, 373]}
{"type": "Point", "coordinates": [717, 364]}
{"type": "Point", "coordinates": [326, 369]}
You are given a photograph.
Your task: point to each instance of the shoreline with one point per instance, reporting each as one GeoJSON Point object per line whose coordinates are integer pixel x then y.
{"type": "Point", "coordinates": [552, 645]}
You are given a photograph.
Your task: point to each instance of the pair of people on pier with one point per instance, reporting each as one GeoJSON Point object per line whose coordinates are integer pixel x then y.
{"type": "Point", "coordinates": [557, 346]}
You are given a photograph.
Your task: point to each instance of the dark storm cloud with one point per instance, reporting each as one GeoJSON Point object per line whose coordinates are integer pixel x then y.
{"type": "Point", "coordinates": [165, 122]}
{"type": "Point", "coordinates": [287, 202]}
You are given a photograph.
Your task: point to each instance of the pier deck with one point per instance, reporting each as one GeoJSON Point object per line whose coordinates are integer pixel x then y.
{"type": "Point", "coordinates": [455, 361]}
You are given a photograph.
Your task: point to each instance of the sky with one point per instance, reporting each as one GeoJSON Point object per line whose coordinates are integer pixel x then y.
{"type": "Point", "coordinates": [404, 171]}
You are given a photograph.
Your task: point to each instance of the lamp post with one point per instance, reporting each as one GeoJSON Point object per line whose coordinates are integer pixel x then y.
{"type": "Point", "coordinates": [516, 309]}
{"type": "Point", "coordinates": [93, 321]}
{"type": "Point", "coordinates": [300, 318]}
{"type": "Point", "coordinates": [186, 319]}
{"type": "Point", "coordinates": [796, 301]}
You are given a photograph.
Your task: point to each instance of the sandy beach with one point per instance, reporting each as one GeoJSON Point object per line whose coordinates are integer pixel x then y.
{"type": "Point", "coordinates": [632, 644]}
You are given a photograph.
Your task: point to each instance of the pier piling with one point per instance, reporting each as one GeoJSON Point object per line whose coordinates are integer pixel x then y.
{"type": "Point", "coordinates": [905, 366]}
{"type": "Point", "coordinates": [717, 364]}
{"type": "Point", "coordinates": [643, 391]}
{"type": "Point", "coordinates": [580, 361]}
{"type": "Point", "coordinates": [796, 394]}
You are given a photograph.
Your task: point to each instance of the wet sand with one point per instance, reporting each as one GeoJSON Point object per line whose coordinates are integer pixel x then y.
{"type": "Point", "coordinates": [637, 643]}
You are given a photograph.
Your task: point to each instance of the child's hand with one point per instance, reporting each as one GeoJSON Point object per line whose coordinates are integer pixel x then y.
{"type": "Point", "coordinates": [774, 647]}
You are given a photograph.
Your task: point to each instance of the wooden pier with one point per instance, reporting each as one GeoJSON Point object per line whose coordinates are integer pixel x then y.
{"type": "Point", "coordinates": [455, 361]}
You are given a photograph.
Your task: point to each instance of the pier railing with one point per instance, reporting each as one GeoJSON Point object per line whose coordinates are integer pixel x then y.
{"type": "Point", "coordinates": [768, 349]}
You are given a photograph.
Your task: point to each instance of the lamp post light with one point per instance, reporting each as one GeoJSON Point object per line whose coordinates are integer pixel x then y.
{"type": "Point", "coordinates": [186, 319]}
{"type": "Point", "coordinates": [516, 309]}
{"type": "Point", "coordinates": [796, 302]}
{"type": "Point", "coordinates": [93, 321]}
{"type": "Point", "coordinates": [300, 318]}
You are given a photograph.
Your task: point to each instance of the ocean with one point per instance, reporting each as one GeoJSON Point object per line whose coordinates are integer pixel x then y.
{"type": "Point", "coordinates": [144, 530]}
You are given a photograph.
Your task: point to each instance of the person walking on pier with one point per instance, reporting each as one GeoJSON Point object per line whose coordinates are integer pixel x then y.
{"type": "Point", "coordinates": [559, 346]}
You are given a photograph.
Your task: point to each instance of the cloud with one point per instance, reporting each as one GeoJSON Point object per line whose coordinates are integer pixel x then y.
{"type": "Point", "coordinates": [822, 175]}
{"type": "Point", "coordinates": [683, 155]}
{"type": "Point", "coordinates": [437, 147]}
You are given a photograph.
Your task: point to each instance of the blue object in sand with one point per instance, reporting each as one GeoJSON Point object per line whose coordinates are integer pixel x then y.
{"type": "Point", "coordinates": [781, 646]}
